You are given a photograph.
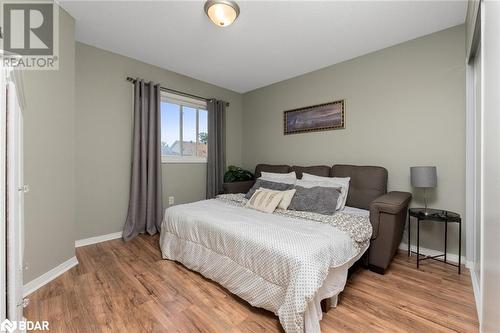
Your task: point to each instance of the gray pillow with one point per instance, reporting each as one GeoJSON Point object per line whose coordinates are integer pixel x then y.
{"type": "Point", "coordinates": [317, 199]}
{"type": "Point", "coordinates": [269, 185]}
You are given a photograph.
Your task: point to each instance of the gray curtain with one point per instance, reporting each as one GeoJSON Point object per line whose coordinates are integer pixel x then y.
{"type": "Point", "coordinates": [145, 211]}
{"type": "Point", "coordinates": [216, 159]}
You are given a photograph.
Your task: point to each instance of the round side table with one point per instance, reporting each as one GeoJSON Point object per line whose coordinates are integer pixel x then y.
{"type": "Point", "coordinates": [440, 216]}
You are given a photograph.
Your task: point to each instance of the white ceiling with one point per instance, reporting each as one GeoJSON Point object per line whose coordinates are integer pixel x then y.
{"type": "Point", "coordinates": [269, 42]}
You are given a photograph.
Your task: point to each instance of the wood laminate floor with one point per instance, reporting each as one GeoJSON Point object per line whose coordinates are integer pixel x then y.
{"type": "Point", "coordinates": [127, 287]}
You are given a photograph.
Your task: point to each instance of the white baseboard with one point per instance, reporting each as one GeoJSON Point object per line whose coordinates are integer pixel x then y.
{"type": "Point", "coordinates": [477, 293]}
{"type": "Point", "coordinates": [98, 239]}
{"type": "Point", "coordinates": [45, 278]}
{"type": "Point", "coordinates": [451, 257]}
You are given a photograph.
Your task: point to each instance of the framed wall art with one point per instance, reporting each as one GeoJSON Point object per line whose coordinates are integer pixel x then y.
{"type": "Point", "coordinates": [321, 117]}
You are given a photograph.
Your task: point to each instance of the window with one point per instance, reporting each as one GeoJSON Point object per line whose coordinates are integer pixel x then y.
{"type": "Point", "coordinates": [184, 129]}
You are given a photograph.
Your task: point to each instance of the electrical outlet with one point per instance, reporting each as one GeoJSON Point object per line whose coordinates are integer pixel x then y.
{"type": "Point", "coordinates": [171, 200]}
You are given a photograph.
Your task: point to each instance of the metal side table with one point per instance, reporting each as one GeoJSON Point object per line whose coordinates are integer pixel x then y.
{"type": "Point", "coordinates": [436, 215]}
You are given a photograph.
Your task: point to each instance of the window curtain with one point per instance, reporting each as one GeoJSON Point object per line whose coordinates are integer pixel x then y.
{"type": "Point", "coordinates": [145, 210]}
{"type": "Point", "coordinates": [216, 159]}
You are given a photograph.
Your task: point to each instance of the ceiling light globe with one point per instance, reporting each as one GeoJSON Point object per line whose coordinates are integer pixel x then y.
{"type": "Point", "coordinates": [222, 12]}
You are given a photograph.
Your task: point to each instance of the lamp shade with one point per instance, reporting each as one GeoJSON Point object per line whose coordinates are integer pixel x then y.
{"type": "Point", "coordinates": [423, 176]}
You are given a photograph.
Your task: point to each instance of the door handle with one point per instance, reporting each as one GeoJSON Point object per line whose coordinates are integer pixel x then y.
{"type": "Point", "coordinates": [24, 303]}
{"type": "Point", "coordinates": [24, 188]}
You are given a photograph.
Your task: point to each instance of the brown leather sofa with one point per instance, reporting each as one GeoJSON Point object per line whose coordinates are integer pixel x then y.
{"type": "Point", "coordinates": [367, 190]}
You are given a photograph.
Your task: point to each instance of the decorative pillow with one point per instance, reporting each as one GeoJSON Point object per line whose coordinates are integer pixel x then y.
{"type": "Point", "coordinates": [322, 200]}
{"type": "Point", "coordinates": [287, 198]}
{"type": "Point", "coordinates": [265, 200]}
{"type": "Point", "coordinates": [315, 183]}
{"type": "Point", "coordinates": [269, 185]}
{"type": "Point", "coordinates": [342, 183]}
{"type": "Point", "coordinates": [287, 178]}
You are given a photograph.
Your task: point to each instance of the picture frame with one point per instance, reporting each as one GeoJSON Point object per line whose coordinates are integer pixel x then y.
{"type": "Point", "coordinates": [320, 117]}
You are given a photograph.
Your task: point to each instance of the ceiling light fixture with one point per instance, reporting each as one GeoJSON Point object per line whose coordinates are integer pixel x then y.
{"type": "Point", "coordinates": [222, 12]}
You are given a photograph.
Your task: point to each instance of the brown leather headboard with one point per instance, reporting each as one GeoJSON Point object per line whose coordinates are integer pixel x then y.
{"type": "Point", "coordinates": [317, 170]}
{"type": "Point", "coordinates": [367, 183]}
{"type": "Point", "coordinates": [271, 168]}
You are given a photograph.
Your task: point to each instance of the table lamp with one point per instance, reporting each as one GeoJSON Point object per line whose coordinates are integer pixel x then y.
{"type": "Point", "coordinates": [424, 177]}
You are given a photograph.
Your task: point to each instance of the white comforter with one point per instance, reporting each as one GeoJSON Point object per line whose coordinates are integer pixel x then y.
{"type": "Point", "coordinates": [272, 261]}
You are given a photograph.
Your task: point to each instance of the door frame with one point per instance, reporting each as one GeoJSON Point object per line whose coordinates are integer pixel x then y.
{"type": "Point", "coordinates": [473, 188]}
{"type": "Point", "coordinates": [473, 137]}
{"type": "Point", "coordinates": [3, 212]}
{"type": "Point", "coordinates": [15, 199]}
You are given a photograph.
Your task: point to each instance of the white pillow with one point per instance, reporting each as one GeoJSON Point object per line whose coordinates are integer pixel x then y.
{"type": "Point", "coordinates": [342, 183]}
{"type": "Point", "coordinates": [287, 198]}
{"type": "Point", "coordinates": [286, 178]}
{"type": "Point", "coordinates": [265, 200]}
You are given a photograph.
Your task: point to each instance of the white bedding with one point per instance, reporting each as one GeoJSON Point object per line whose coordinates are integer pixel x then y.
{"type": "Point", "coordinates": [356, 211]}
{"type": "Point", "coordinates": [332, 286]}
{"type": "Point", "coordinates": [274, 262]}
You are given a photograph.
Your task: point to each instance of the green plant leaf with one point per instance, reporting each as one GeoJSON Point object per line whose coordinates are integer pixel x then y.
{"type": "Point", "coordinates": [237, 174]}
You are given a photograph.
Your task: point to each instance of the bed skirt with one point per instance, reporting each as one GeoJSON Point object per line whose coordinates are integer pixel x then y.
{"type": "Point", "coordinates": [248, 285]}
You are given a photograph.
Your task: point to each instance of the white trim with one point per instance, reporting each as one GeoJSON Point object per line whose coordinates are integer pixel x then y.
{"type": "Point", "coordinates": [481, 219]}
{"type": "Point", "coordinates": [477, 291]}
{"type": "Point", "coordinates": [451, 257]}
{"type": "Point", "coordinates": [3, 221]}
{"type": "Point", "coordinates": [45, 278]}
{"type": "Point", "coordinates": [470, 162]}
{"type": "Point", "coordinates": [98, 239]}
{"type": "Point", "coordinates": [168, 97]}
{"type": "Point", "coordinates": [183, 159]}
{"type": "Point", "coordinates": [15, 198]}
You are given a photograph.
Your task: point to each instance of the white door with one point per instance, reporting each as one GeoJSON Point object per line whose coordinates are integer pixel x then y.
{"type": "Point", "coordinates": [478, 164]}
{"type": "Point", "coordinates": [3, 210]}
{"type": "Point", "coordinates": [15, 206]}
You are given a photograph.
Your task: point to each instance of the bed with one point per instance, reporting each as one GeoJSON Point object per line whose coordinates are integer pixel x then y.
{"type": "Point", "coordinates": [282, 263]}
{"type": "Point", "coordinates": [367, 191]}
{"type": "Point", "coordinates": [286, 262]}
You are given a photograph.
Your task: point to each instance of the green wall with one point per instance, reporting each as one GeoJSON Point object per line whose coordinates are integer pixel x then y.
{"type": "Point", "coordinates": [104, 135]}
{"type": "Point", "coordinates": [49, 159]}
{"type": "Point", "coordinates": [405, 106]}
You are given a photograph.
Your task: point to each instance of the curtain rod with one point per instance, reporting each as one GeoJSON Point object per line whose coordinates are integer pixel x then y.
{"type": "Point", "coordinates": [132, 80]}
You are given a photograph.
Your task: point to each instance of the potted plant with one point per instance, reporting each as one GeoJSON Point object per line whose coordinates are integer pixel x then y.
{"type": "Point", "coordinates": [237, 174]}
{"type": "Point", "coordinates": [237, 180]}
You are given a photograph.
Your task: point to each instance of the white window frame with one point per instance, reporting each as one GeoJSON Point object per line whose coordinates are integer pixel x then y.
{"type": "Point", "coordinates": [183, 101]}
